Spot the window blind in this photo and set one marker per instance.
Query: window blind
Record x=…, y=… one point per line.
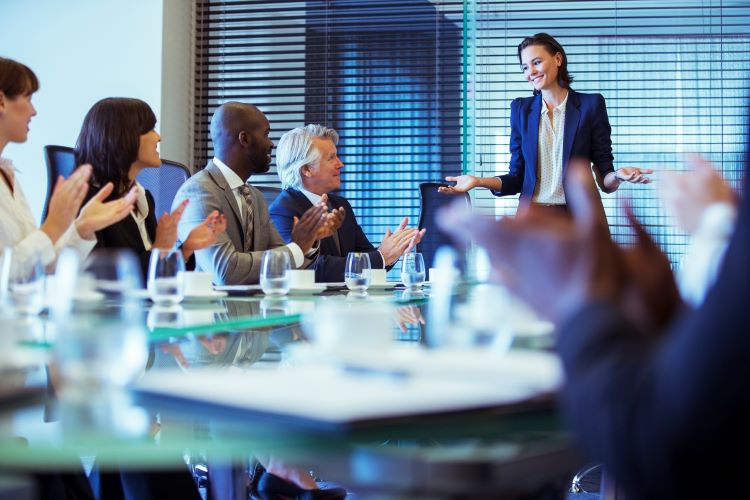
x=422, y=89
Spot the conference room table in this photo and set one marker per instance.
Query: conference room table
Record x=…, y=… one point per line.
x=220, y=356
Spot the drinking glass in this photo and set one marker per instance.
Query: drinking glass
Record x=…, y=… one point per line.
x=22, y=282
x=165, y=276
x=274, y=272
x=357, y=272
x=412, y=270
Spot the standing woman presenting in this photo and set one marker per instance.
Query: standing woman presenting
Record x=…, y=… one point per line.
x=548, y=129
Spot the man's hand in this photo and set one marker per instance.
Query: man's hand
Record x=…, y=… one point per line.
x=395, y=244
x=204, y=234
x=686, y=196
x=305, y=230
x=334, y=219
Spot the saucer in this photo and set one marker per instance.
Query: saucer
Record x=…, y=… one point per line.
x=316, y=288
x=384, y=286
x=203, y=297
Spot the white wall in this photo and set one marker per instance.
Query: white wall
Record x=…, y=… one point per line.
x=82, y=51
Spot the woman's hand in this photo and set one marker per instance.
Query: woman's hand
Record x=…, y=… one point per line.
x=464, y=183
x=65, y=202
x=204, y=234
x=98, y=214
x=166, y=228
x=633, y=174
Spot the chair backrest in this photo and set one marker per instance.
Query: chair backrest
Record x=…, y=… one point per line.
x=163, y=183
x=430, y=201
x=60, y=160
x=269, y=193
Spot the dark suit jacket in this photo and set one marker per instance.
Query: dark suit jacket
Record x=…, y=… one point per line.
x=586, y=135
x=125, y=234
x=331, y=260
x=668, y=414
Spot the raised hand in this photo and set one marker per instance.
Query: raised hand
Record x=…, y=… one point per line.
x=166, y=228
x=204, y=234
x=65, y=202
x=98, y=214
x=334, y=219
x=395, y=244
x=305, y=229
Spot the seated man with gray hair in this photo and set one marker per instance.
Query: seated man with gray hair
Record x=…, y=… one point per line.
x=309, y=168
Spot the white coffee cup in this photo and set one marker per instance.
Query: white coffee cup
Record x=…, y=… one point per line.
x=197, y=283
x=377, y=276
x=301, y=278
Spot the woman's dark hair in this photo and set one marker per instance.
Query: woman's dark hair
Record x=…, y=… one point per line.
x=16, y=79
x=110, y=138
x=553, y=47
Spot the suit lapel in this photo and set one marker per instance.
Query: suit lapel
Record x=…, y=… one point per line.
x=532, y=133
x=572, y=117
x=221, y=182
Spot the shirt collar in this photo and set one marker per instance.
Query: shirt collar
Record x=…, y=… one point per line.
x=314, y=198
x=231, y=177
x=560, y=106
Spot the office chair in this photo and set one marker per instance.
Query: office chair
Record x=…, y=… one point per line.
x=60, y=160
x=163, y=183
x=269, y=193
x=430, y=201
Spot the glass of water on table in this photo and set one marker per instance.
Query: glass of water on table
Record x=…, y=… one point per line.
x=412, y=270
x=357, y=272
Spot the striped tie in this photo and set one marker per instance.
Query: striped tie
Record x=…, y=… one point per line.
x=248, y=197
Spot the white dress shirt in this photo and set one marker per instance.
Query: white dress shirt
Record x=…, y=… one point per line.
x=700, y=265
x=20, y=231
x=140, y=214
x=549, y=186
x=235, y=183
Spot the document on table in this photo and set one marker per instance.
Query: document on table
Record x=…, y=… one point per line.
x=357, y=393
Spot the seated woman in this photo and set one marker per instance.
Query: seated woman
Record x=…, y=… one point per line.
x=67, y=224
x=118, y=139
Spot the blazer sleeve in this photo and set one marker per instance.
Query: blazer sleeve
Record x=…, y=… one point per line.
x=513, y=180
x=661, y=411
x=228, y=265
x=601, y=142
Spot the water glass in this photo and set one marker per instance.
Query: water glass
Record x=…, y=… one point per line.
x=357, y=272
x=165, y=276
x=274, y=272
x=412, y=270
x=22, y=282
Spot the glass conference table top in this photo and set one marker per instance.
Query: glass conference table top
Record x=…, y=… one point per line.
x=231, y=342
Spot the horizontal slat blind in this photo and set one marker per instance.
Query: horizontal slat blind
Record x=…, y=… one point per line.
x=673, y=75
x=385, y=74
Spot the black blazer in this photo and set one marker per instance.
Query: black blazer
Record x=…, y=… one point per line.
x=331, y=260
x=125, y=235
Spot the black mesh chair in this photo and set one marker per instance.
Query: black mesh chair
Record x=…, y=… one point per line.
x=163, y=183
x=430, y=201
x=269, y=193
x=60, y=160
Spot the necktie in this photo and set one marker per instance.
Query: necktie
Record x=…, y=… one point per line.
x=335, y=234
x=247, y=196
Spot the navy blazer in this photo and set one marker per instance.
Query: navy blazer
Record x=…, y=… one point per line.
x=331, y=260
x=586, y=135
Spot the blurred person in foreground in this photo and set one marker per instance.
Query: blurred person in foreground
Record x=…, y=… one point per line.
x=658, y=393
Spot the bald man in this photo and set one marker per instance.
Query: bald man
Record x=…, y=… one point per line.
x=242, y=148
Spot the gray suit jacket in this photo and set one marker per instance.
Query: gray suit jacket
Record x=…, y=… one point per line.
x=233, y=260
